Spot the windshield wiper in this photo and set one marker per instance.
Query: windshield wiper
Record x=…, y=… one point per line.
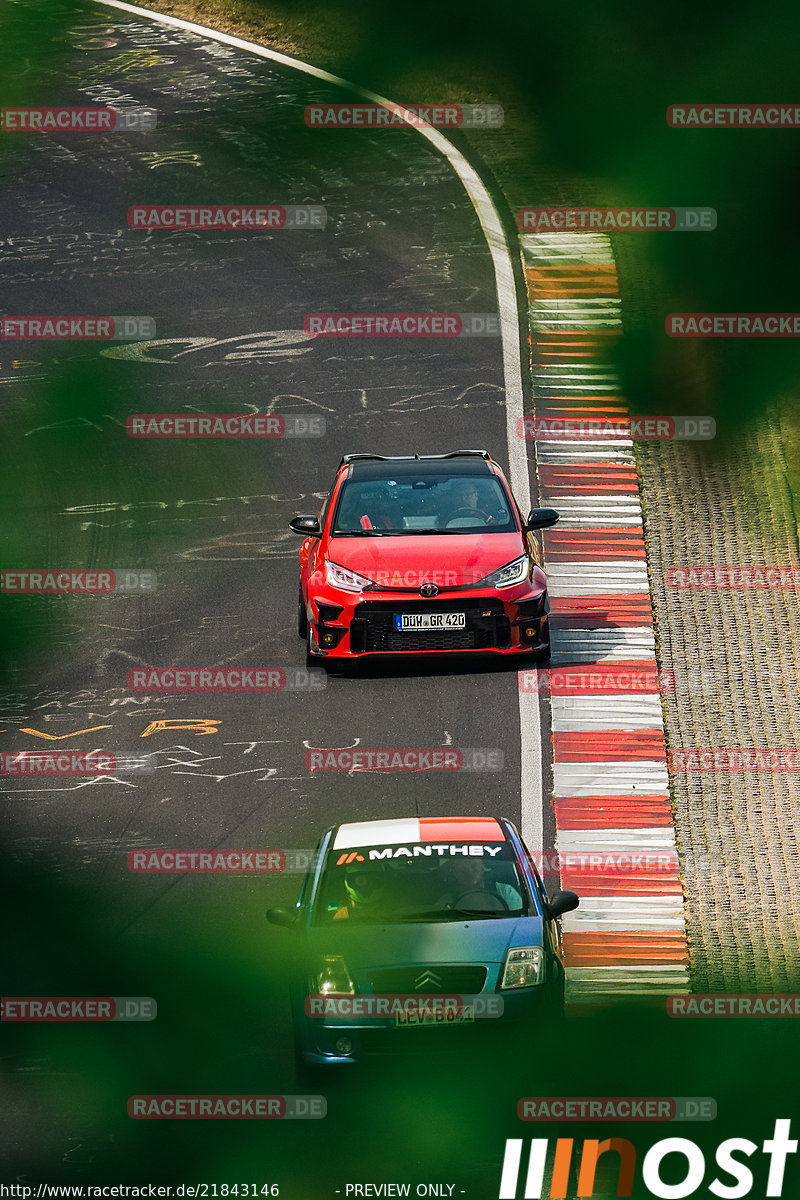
x=451, y=914
x=362, y=532
x=484, y=912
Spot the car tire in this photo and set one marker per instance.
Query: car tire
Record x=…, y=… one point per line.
x=302, y=619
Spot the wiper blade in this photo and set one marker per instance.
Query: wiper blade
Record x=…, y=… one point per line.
x=361, y=533
x=482, y=912
x=436, y=915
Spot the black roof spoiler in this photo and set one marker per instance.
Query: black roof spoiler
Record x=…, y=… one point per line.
x=348, y=458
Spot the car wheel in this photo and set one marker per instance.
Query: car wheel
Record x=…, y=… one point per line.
x=302, y=619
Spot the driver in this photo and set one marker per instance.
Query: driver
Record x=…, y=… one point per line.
x=463, y=501
x=467, y=875
x=365, y=892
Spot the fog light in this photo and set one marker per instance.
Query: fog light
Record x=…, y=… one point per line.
x=329, y=638
x=343, y=1046
x=530, y=632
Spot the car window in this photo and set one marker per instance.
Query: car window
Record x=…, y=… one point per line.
x=425, y=503
x=424, y=881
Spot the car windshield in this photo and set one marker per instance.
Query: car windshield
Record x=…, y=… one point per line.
x=424, y=503
x=421, y=882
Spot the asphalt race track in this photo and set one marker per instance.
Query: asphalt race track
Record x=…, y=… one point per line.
x=210, y=518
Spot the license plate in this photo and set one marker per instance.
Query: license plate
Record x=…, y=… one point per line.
x=412, y=622
x=415, y=1021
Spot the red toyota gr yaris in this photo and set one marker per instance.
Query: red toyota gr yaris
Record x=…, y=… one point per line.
x=422, y=554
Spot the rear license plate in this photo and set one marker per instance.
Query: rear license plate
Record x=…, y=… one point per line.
x=413, y=622
x=414, y=1021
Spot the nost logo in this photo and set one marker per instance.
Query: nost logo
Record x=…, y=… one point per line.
x=729, y=1155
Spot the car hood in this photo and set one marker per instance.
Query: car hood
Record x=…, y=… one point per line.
x=449, y=560
x=482, y=941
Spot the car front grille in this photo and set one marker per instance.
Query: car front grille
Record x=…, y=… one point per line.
x=429, y=980
x=372, y=627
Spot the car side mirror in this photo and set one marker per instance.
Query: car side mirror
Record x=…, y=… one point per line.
x=562, y=902
x=541, y=518
x=307, y=526
x=286, y=917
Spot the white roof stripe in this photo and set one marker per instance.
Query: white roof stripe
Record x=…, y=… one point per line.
x=377, y=833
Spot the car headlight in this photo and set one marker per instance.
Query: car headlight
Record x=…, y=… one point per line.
x=348, y=581
x=513, y=572
x=524, y=967
x=333, y=977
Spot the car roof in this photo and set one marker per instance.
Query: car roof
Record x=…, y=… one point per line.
x=403, y=469
x=401, y=830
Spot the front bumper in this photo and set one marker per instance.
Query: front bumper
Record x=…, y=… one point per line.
x=320, y=1042
x=357, y=625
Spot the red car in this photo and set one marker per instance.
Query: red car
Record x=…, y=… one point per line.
x=419, y=555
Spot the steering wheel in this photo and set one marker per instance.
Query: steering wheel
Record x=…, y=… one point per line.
x=467, y=511
x=501, y=901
